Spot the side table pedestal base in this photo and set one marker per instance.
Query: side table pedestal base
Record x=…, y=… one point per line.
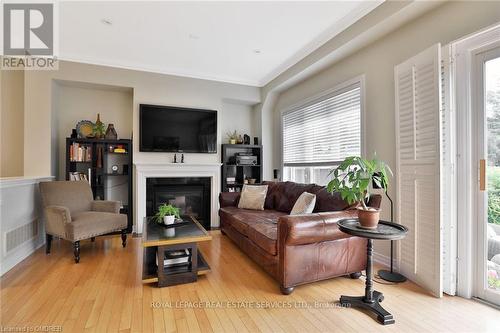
x=383, y=316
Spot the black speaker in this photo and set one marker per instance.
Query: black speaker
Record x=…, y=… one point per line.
x=276, y=173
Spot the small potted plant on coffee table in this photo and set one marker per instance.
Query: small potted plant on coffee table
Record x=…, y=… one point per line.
x=166, y=214
x=352, y=179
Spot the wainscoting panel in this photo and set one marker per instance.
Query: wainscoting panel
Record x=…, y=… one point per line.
x=22, y=221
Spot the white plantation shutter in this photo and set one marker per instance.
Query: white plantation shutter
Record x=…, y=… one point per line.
x=325, y=130
x=418, y=140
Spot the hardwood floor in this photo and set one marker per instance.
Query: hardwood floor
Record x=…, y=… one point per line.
x=104, y=293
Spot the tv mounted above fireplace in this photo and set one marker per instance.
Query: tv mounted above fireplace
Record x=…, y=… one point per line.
x=176, y=129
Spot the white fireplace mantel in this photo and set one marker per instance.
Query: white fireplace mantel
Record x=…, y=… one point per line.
x=152, y=170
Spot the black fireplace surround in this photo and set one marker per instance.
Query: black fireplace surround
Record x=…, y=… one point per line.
x=190, y=194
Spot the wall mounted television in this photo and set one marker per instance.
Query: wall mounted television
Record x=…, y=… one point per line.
x=176, y=129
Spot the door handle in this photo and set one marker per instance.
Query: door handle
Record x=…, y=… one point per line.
x=482, y=175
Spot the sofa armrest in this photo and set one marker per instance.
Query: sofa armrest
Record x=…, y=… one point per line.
x=229, y=199
x=312, y=228
x=57, y=219
x=106, y=206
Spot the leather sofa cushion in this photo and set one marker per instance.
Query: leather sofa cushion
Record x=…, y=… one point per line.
x=259, y=226
x=89, y=224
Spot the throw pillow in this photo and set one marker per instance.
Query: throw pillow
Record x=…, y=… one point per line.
x=253, y=197
x=304, y=204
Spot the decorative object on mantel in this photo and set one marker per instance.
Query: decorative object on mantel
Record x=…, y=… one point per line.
x=74, y=133
x=111, y=133
x=166, y=214
x=255, y=140
x=240, y=139
x=84, y=129
x=232, y=137
x=99, y=128
x=246, y=139
x=352, y=178
x=175, y=158
x=182, y=158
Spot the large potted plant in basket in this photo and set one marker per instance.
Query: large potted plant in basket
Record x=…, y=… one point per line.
x=166, y=214
x=353, y=179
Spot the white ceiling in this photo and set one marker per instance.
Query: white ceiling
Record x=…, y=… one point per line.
x=210, y=40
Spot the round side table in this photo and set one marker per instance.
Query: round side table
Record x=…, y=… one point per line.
x=372, y=298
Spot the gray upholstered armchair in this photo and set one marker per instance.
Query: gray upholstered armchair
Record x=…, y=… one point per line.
x=72, y=214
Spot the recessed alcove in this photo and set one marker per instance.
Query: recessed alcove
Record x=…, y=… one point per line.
x=74, y=101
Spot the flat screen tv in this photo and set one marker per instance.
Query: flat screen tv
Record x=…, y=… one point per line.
x=175, y=129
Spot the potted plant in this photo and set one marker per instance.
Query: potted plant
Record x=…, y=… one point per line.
x=166, y=214
x=232, y=137
x=352, y=179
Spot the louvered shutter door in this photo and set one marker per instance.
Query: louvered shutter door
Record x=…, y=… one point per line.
x=418, y=140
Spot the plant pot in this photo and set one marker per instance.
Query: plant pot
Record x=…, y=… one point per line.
x=368, y=219
x=232, y=141
x=169, y=219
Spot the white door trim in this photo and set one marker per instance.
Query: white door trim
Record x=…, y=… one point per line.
x=480, y=209
x=463, y=51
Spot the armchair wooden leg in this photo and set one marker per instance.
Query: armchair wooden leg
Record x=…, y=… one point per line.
x=76, y=246
x=124, y=237
x=92, y=239
x=48, y=243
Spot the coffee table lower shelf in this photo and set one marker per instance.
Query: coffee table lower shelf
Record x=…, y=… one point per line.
x=150, y=269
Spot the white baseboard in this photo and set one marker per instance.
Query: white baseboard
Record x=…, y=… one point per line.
x=21, y=253
x=382, y=259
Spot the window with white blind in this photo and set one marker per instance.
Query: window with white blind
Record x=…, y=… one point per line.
x=320, y=133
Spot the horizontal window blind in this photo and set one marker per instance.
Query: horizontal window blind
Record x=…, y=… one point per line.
x=324, y=131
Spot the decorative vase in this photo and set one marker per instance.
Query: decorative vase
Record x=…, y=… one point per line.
x=368, y=219
x=169, y=219
x=98, y=125
x=232, y=141
x=240, y=139
x=111, y=132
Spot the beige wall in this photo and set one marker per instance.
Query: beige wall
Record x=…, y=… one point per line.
x=236, y=117
x=376, y=61
x=75, y=102
x=11, y=120
x=147, y=88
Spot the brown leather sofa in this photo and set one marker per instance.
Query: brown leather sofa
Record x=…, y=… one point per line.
x=296, y=249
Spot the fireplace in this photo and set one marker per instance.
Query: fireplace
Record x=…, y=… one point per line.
x=191, y=194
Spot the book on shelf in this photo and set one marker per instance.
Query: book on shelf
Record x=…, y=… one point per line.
x=80, y=153
x=175, y=258
x=78, y=176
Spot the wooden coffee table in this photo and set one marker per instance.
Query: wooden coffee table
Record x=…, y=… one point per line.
x=157, y=239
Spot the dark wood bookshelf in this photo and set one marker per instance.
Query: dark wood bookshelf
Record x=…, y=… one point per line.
x=100, y=171
x=238, y=171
